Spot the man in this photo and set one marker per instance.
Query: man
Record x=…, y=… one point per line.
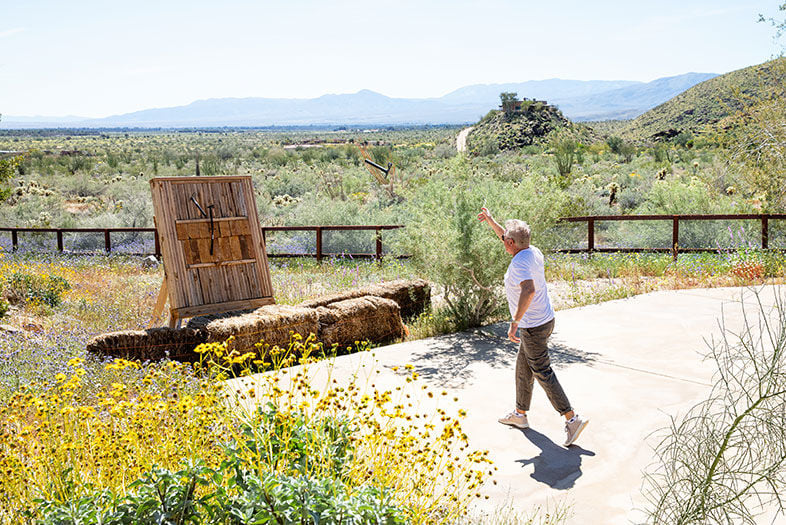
x=530, y=309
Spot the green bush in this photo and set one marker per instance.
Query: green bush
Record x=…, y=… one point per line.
x=450, y=247
x=47, y=289
x=614, y=143
x=564, y=157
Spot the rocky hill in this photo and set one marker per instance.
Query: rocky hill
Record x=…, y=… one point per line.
x=526, y=122
x=704, y=106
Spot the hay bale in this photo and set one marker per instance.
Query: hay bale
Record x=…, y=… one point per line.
x=359, y=319
x=270, y=324
x=412, y=296
x=151, y=344
x=372, y=313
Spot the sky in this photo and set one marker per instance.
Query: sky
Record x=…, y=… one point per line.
x=101, y=58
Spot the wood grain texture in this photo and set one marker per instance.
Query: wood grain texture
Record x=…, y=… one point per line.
x=211, y=266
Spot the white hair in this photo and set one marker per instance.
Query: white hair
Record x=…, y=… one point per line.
x=518, y=231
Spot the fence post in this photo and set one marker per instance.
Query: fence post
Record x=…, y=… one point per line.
x=379, y=244
x=675, y=235
x=590, y=236
x=107, y=241
x=59, y=240
x=765, y=232
x=319, y=244
x=14, y=240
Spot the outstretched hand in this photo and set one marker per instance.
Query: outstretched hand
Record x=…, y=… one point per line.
x=484, y=215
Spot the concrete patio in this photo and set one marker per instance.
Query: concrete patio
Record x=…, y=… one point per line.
x=626, y=365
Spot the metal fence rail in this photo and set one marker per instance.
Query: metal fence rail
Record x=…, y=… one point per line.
x=319, y=254
x=675, y=249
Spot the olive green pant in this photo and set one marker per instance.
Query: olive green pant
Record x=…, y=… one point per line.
x=533, y=363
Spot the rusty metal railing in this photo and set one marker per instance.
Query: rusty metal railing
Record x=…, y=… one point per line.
x=675, y=248
x=319, y=254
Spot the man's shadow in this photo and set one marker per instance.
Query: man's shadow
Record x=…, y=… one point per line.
x=556, y=466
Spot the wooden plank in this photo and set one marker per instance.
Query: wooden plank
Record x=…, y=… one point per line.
x=158, y=309
x=221, y=263
x=245, y=246
x=173, y=259
x=232, y=202
x=207, y=309
x=220, y=191
x=191, y=252
x=234, y=248
x=181, y=231
x=177, y=180
x=204, y=251
x=263, y=280
x=257, y=289
x=241, y=227
x=239, y=196
x=215, y=219
x=224, y=249
x=198, y=230
x=204, y=286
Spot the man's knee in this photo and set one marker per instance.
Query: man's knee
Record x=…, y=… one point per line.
x=543, y=372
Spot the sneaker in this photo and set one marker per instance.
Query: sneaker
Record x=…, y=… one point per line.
x=573, y=428
x=515, y=419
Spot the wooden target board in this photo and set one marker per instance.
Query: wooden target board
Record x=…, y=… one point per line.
x=211, y=244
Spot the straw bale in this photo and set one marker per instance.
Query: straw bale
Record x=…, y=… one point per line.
x=412, y=296
x=151, y=344
x=270, y=324
x=364, y=318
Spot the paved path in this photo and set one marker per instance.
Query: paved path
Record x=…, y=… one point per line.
x=627, y=365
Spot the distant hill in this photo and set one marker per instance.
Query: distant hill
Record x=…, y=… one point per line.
x=530, y=122
x=708, y=103
x=578, y=99
x=629, y=101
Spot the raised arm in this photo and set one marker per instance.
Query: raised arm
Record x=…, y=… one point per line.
x=484, y=215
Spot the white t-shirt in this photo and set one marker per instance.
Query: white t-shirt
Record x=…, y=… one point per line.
x=528, y=264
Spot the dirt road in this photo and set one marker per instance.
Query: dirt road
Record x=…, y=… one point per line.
x=461, y=140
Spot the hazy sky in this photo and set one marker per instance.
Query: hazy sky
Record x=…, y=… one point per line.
x=98, y=58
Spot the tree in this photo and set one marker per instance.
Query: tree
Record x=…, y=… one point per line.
x=509, y=102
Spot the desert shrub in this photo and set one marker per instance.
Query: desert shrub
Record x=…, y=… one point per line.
x=46, y=289
x=483, y=146
x=8, y=168
x=279, y=157
x=725, y=460
x=614, y=143
x=444, y=151
x=211, y=165
x=683, y=139
x=564, y=157
x=450, y=247
x=761, y=152
x=627, y=151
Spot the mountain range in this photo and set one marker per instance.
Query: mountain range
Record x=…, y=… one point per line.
x=579, y=100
